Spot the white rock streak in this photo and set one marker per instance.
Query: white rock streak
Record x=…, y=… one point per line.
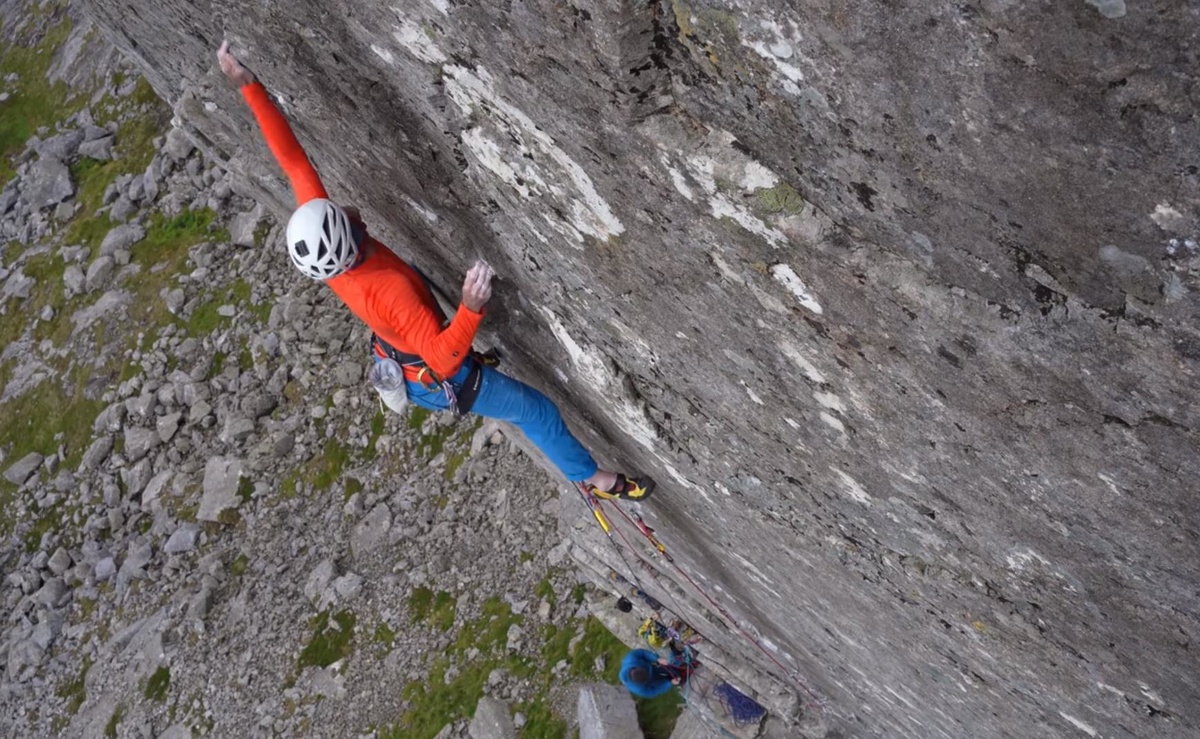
x=787, y=277
x=547, y=172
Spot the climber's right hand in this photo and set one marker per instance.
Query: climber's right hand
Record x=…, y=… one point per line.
x=477, y=288
x=237, y=75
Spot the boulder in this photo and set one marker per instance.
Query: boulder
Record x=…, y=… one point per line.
x=62, y=147
x=370, y=532
x=73, y=280
x=121, y=237
x=222, y=476
x=96, y=453
x=101, y=149
x=23, y=468
x=492, y=720
x=47, y=183
x=139, y=442
x=99, y=273
x=607, y=712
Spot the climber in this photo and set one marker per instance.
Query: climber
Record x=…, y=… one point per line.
x=330, y=243
x=648, y=676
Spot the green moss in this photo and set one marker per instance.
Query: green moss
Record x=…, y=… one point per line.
x=75, y=692
x=488, y=633
x=110, y=729
x=88, y=231
x=657, y=716
x=353, y=486
x=545, y=590
x=329, y=642
x=261, y=230
x=377, y=425
x=578, y=593
x=420, y=603
x=782, y=198
x=238, y=568
x=417, y=416
x=384, y=636
x=158, y=684
x=245, y=489
x=598, y=641
x=525, y=557
x=329, y=465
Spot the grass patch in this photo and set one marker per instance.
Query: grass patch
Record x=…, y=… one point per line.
x=75, y=692
x=490, y=631
x=330, y=642
x=540, y=721
x=49, y=521
x=158, y=684
x=437, y=610
x=417, y=416
x=33, y=102
x=329, y=465
x=50, y=414
x=545, y=590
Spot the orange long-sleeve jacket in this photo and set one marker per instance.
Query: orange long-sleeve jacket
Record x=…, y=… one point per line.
x=383, y=290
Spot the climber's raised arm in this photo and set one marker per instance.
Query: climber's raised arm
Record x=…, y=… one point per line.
x=306, y=184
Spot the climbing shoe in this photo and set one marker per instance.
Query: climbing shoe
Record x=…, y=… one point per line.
x=638, y=488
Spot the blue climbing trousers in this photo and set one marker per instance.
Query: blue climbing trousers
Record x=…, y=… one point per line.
x=505, y=399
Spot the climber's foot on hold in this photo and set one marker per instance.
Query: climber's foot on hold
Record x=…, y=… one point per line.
x=625, y=488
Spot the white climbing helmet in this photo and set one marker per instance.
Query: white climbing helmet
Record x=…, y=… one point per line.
x=320, y=240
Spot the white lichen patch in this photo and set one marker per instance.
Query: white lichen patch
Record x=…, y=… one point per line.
x=1166, y=217
x=792, y=352
x=421, y=210
x=383, y=54
x=830, y=401
x=722, y=207
x=786, y=276
x=546, y=171
x=1109, y=8
x=757, y=177
x=416, y=42
x=778, y=48
x=852, y=488
x=753, y=395
x=832, y=422
x=1079, y=724
x=594, y=371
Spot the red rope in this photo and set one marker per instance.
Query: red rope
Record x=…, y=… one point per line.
x=658, y=546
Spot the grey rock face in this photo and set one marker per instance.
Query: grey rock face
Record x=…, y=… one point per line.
x=23, y=468
x=835, y=275
x=47, y=183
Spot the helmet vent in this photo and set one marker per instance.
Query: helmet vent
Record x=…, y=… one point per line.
x=300, y=248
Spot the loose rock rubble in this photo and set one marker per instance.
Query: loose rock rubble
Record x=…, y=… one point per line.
x=236, y=482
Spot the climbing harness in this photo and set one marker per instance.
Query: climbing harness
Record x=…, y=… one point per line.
x=461, y=400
